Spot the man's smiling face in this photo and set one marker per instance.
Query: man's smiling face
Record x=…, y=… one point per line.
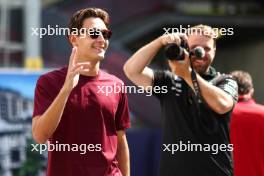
x=201, y=65
x=92, y=49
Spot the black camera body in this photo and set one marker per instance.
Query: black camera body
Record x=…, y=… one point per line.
x=173, y=51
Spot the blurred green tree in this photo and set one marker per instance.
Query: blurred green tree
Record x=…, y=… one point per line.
x=34, y=162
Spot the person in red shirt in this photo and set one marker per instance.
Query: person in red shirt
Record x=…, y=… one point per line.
x=247, y=129
x=83, y=126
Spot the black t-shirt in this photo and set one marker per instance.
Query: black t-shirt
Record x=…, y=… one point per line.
x=192, y=132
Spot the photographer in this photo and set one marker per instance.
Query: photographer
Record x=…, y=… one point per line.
x=189, y=115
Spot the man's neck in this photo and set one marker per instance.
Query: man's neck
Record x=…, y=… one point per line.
x=245, y=97
x=93, y=67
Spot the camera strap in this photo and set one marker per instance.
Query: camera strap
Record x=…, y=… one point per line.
x=196, y=87
x=197, y=90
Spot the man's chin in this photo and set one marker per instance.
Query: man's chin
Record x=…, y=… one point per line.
x=200, y=70
x=100, y=56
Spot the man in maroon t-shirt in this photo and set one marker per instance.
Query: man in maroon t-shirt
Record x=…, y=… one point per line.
x=247, y=130
x=83, y=124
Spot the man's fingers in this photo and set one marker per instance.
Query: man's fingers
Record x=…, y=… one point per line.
x=84, y=63
x=72, y=61
x=183, y=36
x=175, y=38
x=84, y=71
x=80, y=70
x=78, y=65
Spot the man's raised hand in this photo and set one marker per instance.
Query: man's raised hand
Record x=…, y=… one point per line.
x=74, y=71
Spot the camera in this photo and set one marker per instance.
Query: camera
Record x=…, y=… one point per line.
x=173, y=51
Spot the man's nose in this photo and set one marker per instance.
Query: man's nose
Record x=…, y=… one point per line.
x=101, y=37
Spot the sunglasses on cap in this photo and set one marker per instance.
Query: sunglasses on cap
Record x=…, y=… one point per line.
x=94, y=33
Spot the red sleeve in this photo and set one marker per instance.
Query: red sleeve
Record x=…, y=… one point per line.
x=42, y=98
x=122, y=120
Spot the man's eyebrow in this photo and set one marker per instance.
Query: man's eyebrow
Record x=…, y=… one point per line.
x=205, y=47
x=193, y=46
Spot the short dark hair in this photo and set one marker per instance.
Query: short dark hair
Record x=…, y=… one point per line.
x=76, y=21
x=244, y=81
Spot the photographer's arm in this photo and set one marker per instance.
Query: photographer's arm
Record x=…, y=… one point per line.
x=217, y=99
x=136, y=67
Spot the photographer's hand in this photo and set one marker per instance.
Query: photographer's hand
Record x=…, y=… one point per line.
x=182, y=68
x=172, y=38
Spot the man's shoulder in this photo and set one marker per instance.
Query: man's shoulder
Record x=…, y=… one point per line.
x=259, y=108
x=53, y=75
x=166, y=74
x=250, y=107
x=110, y=77
x=222, y=77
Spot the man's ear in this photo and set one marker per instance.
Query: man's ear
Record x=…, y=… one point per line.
x=214, y=52
x=252, y=92
x=73, y=40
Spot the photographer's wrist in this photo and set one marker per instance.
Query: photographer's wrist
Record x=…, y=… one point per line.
x=187, y=76
x=160, y=41
x=188, y=79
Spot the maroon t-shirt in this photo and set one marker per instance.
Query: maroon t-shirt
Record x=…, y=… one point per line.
x=90, y=120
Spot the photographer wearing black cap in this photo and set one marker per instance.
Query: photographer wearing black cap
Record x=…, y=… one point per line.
x=196, y=107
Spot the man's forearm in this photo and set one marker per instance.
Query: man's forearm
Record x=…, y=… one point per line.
x=122, y=155
x=216, y=98
x=123, y=161
x=44, y=126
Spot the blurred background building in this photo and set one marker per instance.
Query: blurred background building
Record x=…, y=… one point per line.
x=134, y=23
x=15, y=125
